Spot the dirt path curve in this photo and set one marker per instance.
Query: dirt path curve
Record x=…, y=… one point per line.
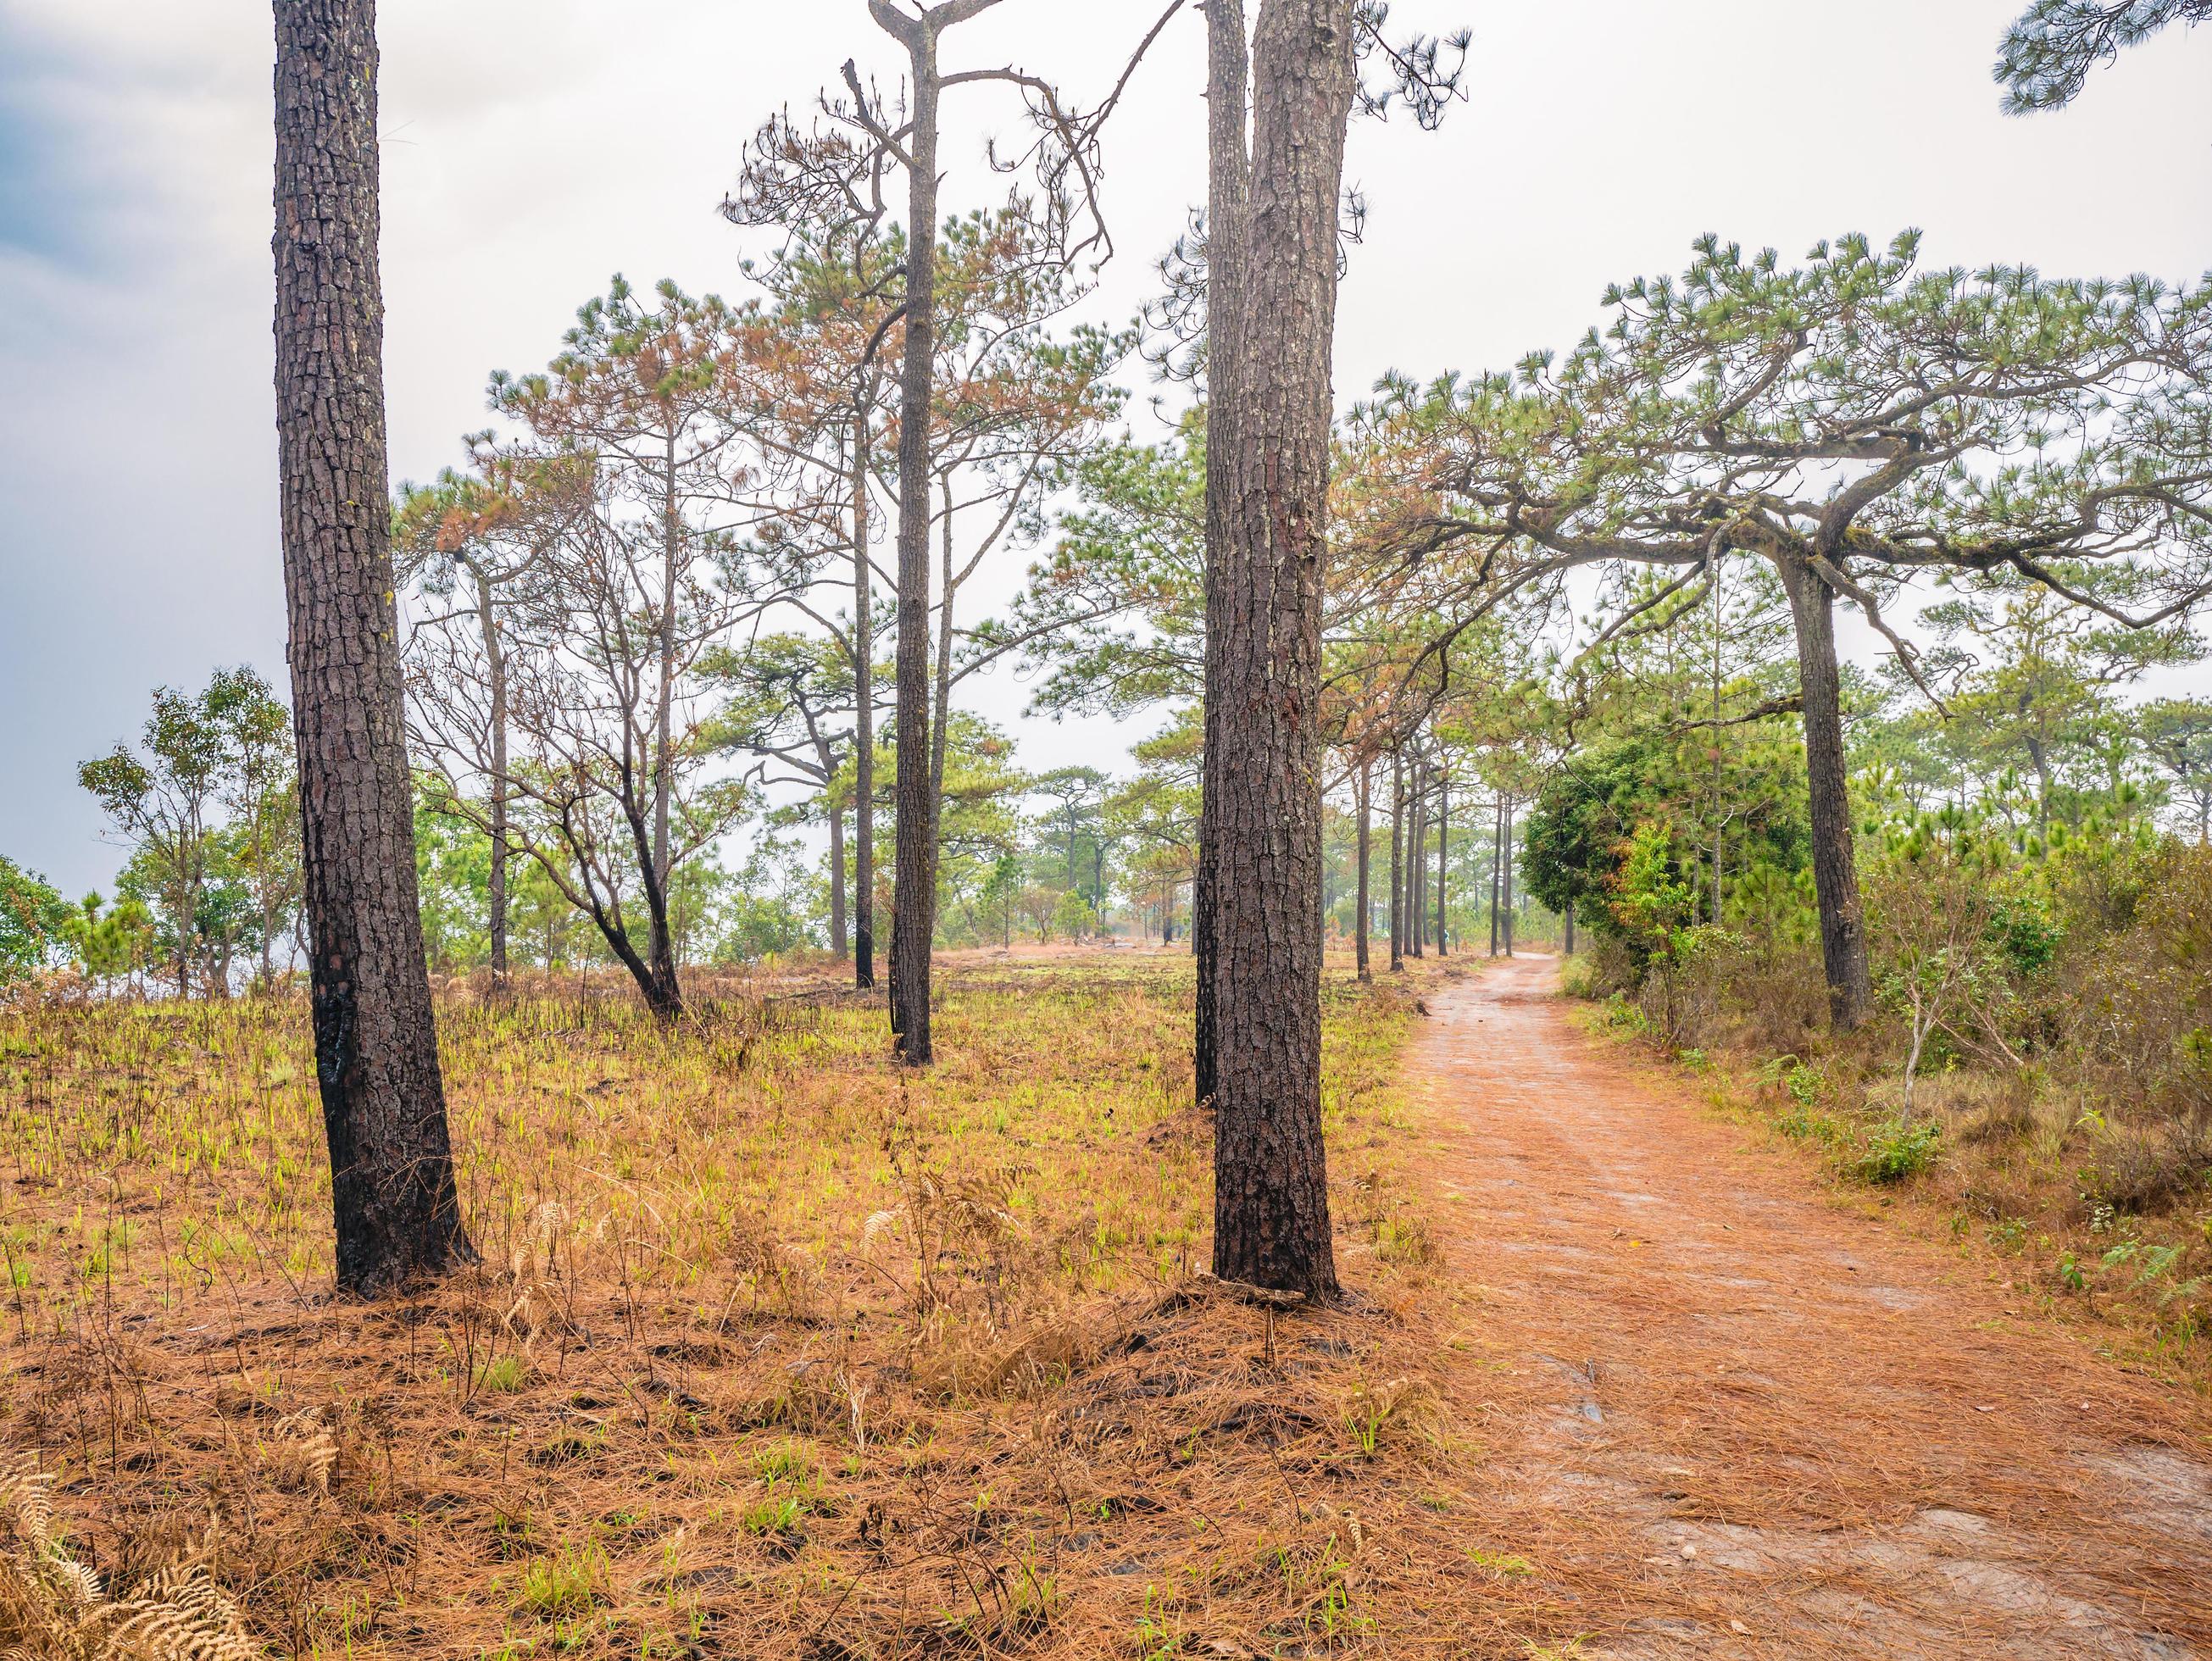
x=1729, y=1418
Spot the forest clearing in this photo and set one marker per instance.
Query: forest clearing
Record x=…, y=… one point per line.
x=1468, y=918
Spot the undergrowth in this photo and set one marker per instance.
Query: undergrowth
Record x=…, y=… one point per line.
x=2083, y=1174
x=772, y=1348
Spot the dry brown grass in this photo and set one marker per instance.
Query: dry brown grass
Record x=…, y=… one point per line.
x=773, y=1350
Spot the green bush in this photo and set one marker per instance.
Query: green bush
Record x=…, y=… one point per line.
x=1896, y=1151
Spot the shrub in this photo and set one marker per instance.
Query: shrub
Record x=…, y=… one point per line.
x=1896, y=1151
x=2146, y=1170
x=2135, y=1004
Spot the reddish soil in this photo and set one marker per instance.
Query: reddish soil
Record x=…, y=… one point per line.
x=1737, y=1418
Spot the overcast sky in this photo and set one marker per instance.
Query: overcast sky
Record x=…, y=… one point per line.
x=533, y=146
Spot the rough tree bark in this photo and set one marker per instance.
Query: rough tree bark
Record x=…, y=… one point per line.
x=1271, y=1221
x=914, y=917
x=1227, y=205
x=376, y=1043
x=1835, y=871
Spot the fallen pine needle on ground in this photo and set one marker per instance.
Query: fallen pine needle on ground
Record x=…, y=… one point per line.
x=773, y=1350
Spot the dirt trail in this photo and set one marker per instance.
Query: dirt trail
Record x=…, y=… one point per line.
x=1730, y=1418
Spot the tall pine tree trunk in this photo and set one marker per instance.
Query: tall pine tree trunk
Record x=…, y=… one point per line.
x=1443, y=854
x=840, y=944
x=1271, y=1220
x=1835, y=870
x=864, y=731
x=376, y=1042
x=1366, y=784
x=1397, y=862
x=1417, y=859
x=913, y=914
x=1506, y=866
x=1228, y=204
x=1497, y=854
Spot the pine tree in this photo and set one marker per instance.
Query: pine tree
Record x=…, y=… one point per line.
x=376, y=1042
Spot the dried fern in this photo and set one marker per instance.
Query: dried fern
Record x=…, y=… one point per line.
x=53, y=1609
x=304, y=1452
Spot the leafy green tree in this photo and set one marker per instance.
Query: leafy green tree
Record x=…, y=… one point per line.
x=453, y=872
x=224, y=924
x=1656, y=784
x=261, y=792
x=547, y=924
x=1157, y=812
x=1910, y=761
x=699, y=897
x=978, y=823
x=34, y=919
x=771, y=907
x=2048, y=52
x=1115, y=620
x=1074, y=917
x=997, y=895
x=209, y=803
x=164, y=797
